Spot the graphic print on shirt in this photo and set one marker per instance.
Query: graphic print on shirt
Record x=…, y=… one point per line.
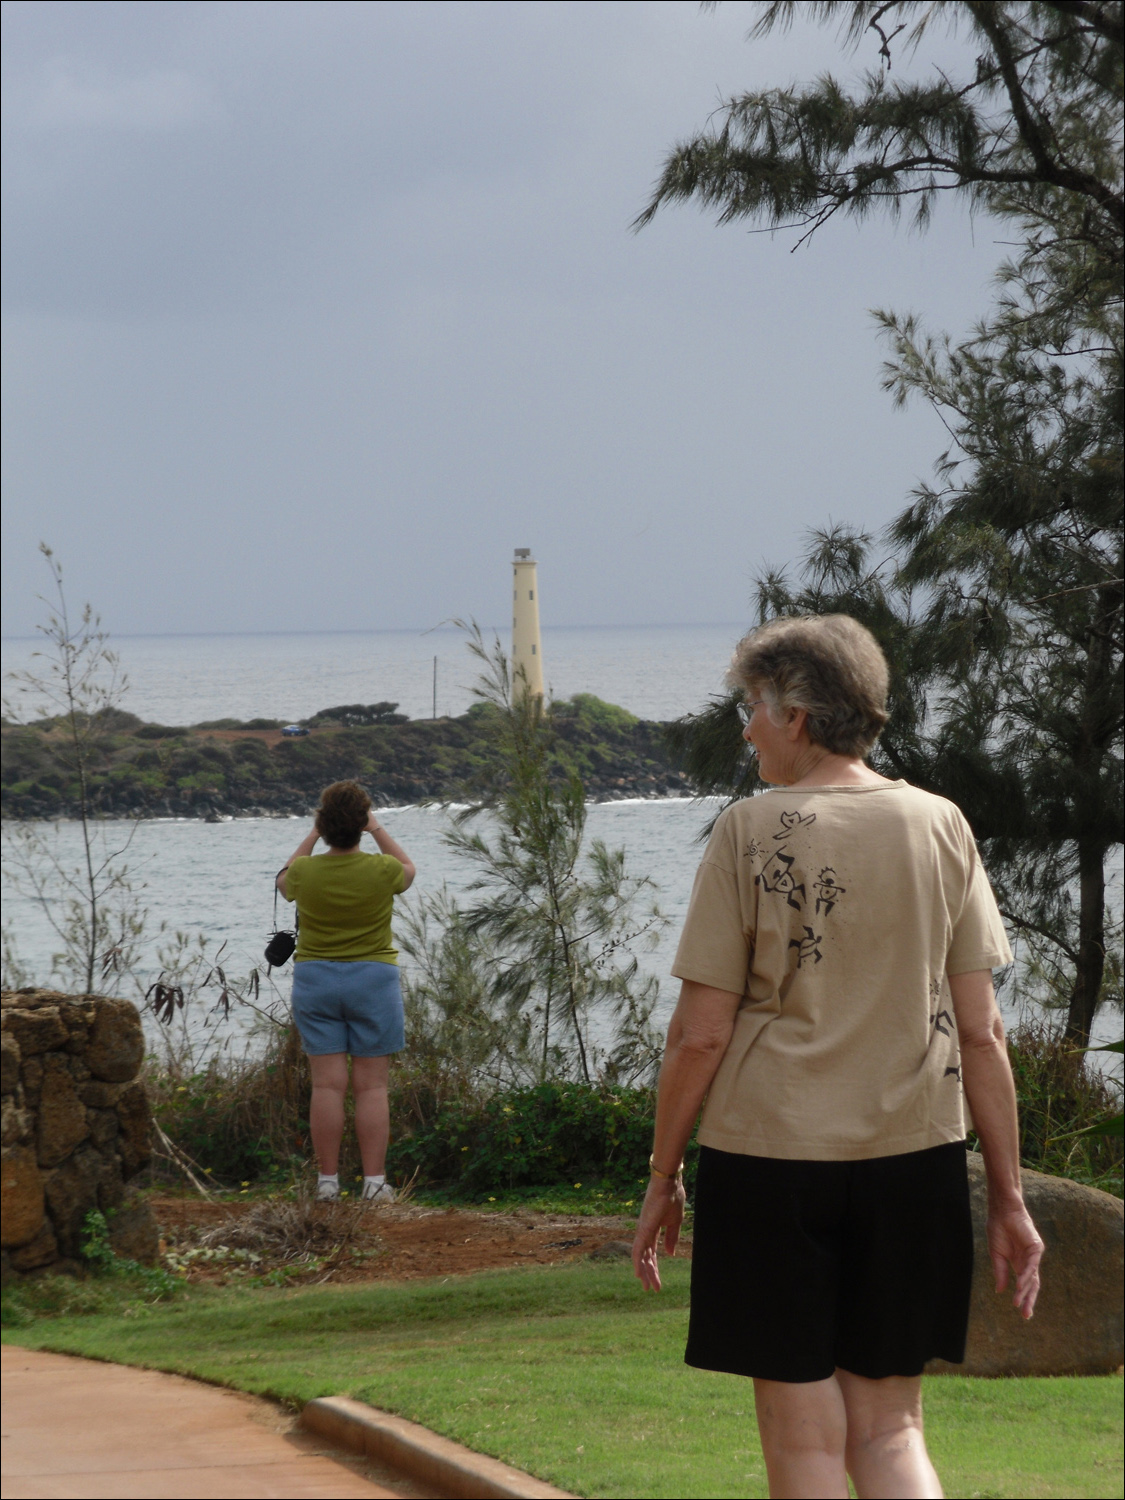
x=778, y=879
x=807, y=949
x=779, y=875
x=828, y=890
x=792, y=821
x=942, y=1021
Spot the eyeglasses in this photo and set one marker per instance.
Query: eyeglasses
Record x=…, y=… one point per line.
x=746, y=710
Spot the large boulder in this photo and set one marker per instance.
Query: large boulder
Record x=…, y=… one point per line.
x=132, y=1231
x=74, y=1127
x=9, y=1063
x=1078, y=1327
x=36, y=1030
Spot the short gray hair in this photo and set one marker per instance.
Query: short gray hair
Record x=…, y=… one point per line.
x=829, y=665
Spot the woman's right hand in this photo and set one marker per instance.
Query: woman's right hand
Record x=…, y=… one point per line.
x=663, y=1209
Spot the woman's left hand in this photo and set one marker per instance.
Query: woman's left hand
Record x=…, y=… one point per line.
x=663, y=1208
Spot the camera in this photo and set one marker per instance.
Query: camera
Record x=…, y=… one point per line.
x=279, y=949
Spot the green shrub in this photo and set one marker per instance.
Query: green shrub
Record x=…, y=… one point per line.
x=239, y=1119
x=556, y=1133
x=595, y=714
x=1059, y=1095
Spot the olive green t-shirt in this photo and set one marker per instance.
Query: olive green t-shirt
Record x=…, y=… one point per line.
x=838, y=913
x=344, y=902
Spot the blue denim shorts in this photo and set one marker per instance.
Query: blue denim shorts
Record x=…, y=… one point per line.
x=348, y=1007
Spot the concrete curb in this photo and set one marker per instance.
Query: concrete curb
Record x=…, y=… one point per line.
x=422, y=1454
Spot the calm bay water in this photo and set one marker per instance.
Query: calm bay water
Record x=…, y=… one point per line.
x=657, y=672
x=216, y=879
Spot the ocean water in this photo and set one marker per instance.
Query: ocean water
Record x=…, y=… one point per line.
x=215, y=881
x=657, y=671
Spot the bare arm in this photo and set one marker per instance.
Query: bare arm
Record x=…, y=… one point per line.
x=387, y=845
x=991, y=1095
x=306, y=846
x=698, y=1036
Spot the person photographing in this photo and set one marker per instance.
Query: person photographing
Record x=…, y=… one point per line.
x=347, y=1000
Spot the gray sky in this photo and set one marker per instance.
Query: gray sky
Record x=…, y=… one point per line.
x=314, y=311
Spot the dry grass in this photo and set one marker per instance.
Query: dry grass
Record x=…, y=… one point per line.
x=282, y=1229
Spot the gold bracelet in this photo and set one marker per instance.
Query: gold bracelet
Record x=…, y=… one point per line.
x=665, y=1176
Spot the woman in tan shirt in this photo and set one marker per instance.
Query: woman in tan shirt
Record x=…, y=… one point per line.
x=836, y=1006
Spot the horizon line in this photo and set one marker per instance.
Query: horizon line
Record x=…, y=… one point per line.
x=442, y=629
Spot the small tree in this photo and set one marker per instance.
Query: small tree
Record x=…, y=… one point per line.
x=548, y=942
x=76, y=687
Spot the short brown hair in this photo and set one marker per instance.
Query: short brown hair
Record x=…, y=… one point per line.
x=342, y=814
x=829, y=665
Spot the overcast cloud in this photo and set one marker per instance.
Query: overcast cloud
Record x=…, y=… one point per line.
x=313, y=312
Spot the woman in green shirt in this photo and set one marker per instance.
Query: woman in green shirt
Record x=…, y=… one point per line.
x=346, y=996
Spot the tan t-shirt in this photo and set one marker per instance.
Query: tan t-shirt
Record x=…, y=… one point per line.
x=837, y=913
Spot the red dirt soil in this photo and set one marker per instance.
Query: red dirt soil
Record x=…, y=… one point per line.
x=406, y=1241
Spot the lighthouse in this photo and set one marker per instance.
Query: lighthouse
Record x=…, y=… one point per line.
x=527, y=651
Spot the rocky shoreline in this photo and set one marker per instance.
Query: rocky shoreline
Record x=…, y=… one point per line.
x=212, y=773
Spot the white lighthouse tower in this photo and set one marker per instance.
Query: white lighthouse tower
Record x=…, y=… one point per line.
x=527, y=651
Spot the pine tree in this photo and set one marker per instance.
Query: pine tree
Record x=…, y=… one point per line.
x=1000, y=601
x=1040, y=111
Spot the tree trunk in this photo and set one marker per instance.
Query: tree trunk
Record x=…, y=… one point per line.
x=1091, y=941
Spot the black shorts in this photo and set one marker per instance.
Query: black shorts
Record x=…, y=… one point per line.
x=802, y=1267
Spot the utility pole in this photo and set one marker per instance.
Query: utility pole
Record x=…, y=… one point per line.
x=435, y=687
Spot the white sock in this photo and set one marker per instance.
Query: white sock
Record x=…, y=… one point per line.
x=373, y=1182
x=331, y=1177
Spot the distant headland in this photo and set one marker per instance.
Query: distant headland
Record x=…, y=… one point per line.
x=254, y=768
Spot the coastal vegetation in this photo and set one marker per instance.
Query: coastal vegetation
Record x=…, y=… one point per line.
x=226, y=767
x=458, y=1135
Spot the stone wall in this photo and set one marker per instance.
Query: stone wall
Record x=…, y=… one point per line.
x=76, y=1126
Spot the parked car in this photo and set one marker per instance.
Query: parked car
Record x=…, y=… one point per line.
x=294, y=730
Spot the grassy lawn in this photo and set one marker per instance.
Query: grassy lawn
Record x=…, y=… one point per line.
x=571, y=1374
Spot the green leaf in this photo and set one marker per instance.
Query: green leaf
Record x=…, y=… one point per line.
x=1115, y=1125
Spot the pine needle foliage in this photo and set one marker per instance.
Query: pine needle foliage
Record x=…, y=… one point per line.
x=548, y=942
x=1036, y=111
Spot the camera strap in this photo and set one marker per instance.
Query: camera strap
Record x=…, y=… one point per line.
x=276, y=893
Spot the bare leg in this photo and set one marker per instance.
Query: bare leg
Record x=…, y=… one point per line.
x=326, y=1112
x=886, y=1452
x=804, y=1430
x=372, y=1114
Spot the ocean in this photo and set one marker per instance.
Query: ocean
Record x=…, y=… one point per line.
x=655, y=671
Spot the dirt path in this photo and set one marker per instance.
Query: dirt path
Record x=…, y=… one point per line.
x=79, y=1428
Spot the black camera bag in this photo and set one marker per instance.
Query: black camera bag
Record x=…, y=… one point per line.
x=279, y=949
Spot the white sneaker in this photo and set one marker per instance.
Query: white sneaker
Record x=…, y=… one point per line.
x=378, y=1192
x=327, y=1192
